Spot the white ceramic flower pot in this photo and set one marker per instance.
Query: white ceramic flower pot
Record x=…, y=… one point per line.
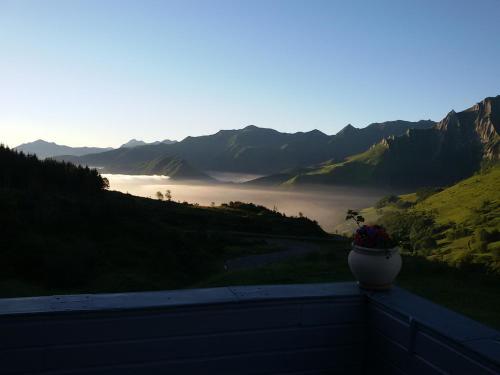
x=375, y=269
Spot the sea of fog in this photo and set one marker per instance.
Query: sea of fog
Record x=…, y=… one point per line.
x=327, y=206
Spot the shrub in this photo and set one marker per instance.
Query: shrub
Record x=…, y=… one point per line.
x=413, y=230
x=482, y=238
x=401, y=204
x=425, y=242
x=495, y=252
x=457, y=232
x=385, y=201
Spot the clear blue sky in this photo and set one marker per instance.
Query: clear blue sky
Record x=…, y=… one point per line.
x=102, y=72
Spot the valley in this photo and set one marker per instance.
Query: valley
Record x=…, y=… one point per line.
x=326, y=204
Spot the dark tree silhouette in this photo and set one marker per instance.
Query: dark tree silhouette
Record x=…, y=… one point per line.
x=18, y=170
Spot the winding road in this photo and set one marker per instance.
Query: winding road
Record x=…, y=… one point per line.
x=293, y=249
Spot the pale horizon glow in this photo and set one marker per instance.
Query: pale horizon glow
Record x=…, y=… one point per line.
x=99, y=73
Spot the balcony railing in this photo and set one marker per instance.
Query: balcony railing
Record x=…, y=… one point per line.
x=273, y=329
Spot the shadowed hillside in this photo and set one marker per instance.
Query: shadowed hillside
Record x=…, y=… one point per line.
x=149, y=159
x=63, y=232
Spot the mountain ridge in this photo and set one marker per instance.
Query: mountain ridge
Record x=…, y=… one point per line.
x=136, y=143
x=261, y=150
x=151, y=162
x=44, y=149
x=47, y=149
x=451, y=150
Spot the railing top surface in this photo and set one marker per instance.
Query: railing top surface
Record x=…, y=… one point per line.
x=173, y=298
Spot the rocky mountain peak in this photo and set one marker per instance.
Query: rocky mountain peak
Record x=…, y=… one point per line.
x=451, y=121
x=479, y=123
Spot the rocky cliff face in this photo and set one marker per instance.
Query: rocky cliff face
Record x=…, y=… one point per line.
x=480, y=123
x=487, y=126
x=454, y=148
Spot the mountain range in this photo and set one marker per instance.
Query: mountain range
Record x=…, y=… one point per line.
x=44, y=149
x=393, y=153
x=265, y=151
x=449, y=151
x=248, y=150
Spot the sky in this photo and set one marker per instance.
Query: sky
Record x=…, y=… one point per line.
x=99, y=73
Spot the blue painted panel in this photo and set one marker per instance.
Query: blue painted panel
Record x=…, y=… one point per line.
x=380, y=366
x=207, y=346
x=396, y=358
x=356, y=370
x=449, y=358
x=488, y=347
x=331, y=313
x=339, y=359
x=21, y=361
x=52, y=330
x=392, y=327
x=380, y=347
x=420, y=366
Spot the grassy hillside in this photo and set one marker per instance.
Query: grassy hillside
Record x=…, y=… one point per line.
x=460, y=202
x=372, y=214
x=459, y=225
x=469, y=214
x=355, y=170
x=62, y=232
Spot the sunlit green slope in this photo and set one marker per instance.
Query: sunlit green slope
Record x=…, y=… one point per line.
x=470, y=212
x=459, y=225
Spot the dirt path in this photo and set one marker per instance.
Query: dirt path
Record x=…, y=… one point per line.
x=293, y=249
